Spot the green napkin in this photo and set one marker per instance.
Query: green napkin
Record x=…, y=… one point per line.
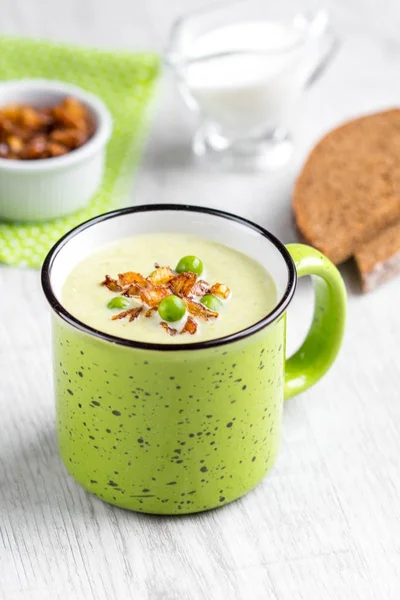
x=124, y=81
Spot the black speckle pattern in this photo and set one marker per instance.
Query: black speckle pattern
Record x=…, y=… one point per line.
x=142, y=432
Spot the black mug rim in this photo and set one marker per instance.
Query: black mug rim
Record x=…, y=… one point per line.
x=59, y=309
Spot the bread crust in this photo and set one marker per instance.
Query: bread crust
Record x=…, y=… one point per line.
x=349, y=189
x=379, y=259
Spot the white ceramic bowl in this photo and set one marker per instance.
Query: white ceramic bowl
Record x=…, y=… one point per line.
x=38, y=190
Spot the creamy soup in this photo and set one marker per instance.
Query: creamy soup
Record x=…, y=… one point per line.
x=251, y=291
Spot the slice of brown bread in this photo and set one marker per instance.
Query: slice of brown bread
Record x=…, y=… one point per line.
x=349, y=189
x=379, y=260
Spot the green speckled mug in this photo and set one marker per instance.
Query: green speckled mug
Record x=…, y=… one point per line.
x=173, y=429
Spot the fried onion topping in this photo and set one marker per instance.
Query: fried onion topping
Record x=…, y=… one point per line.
x=111, y=284
x=163, y=282
x=161, y=276
x=190, y=326
x=152, y=296
x=132, y=313
x=199, y=310
x=133, y=290
x=221, y=290
x=183, y=284
x=125, y=279
x=170, y=330
x=200, y=288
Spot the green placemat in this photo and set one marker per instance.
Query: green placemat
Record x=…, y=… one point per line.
x=124, y=81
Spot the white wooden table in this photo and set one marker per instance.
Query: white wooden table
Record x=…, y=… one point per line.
x=326, y=523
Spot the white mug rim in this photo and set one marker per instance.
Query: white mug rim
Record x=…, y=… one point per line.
x=67, y=317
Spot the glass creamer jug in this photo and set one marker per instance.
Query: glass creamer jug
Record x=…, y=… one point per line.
x=244, y=67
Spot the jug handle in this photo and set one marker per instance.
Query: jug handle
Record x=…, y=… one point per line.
x=320, y=32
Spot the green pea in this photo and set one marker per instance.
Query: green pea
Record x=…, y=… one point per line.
x=211, y=302
x=191, y=264
x=118, y=302
x=171, y=309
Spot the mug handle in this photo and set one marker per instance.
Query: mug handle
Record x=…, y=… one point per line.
x=323, y=341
